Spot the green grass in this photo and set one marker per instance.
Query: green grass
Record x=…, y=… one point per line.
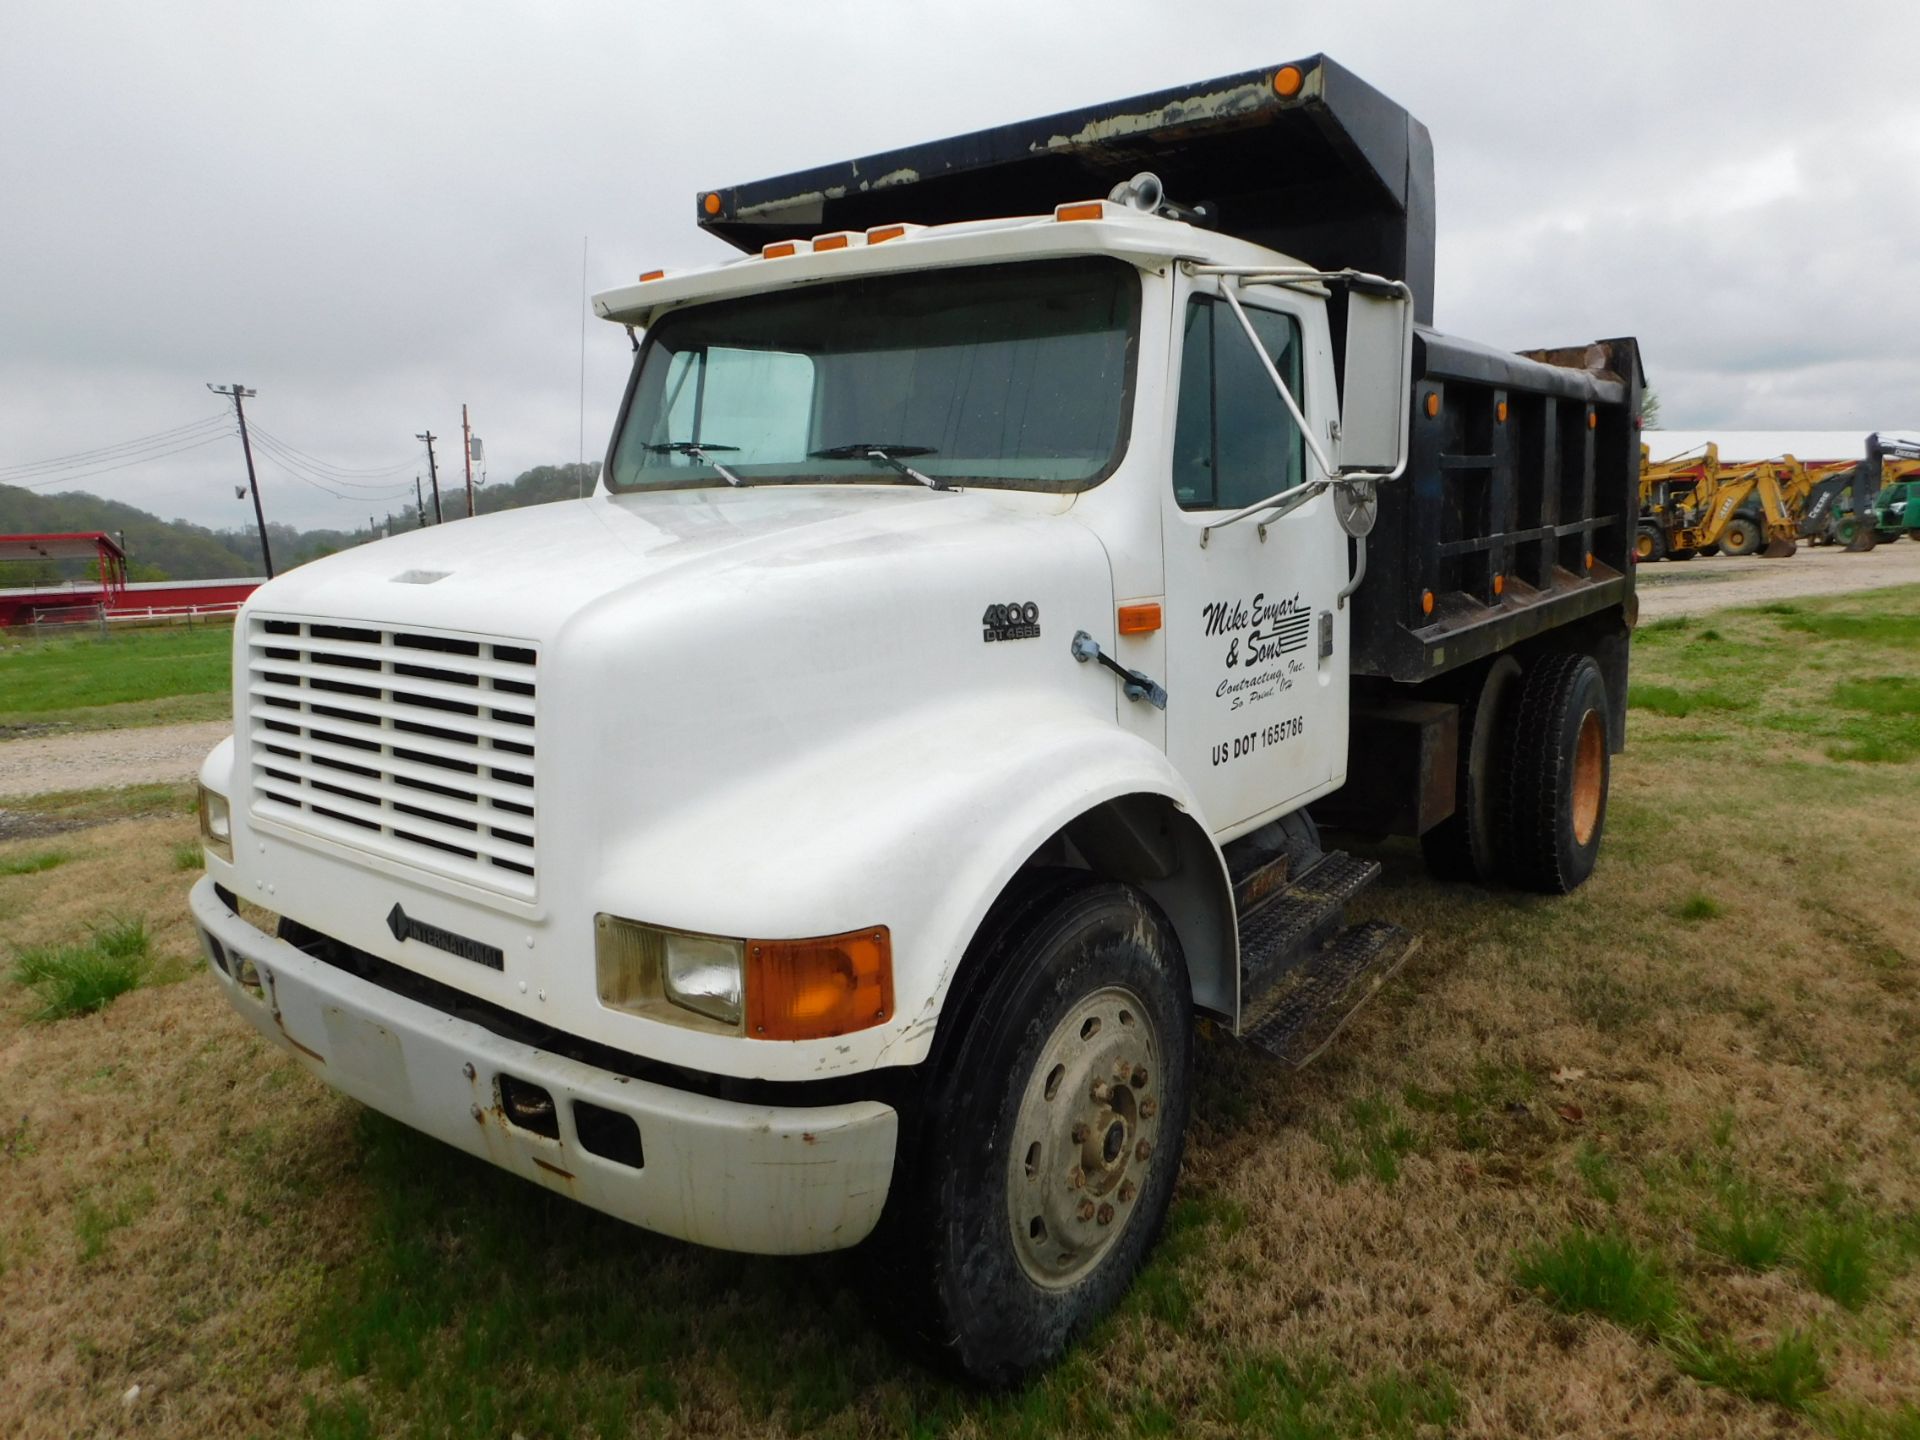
x=1375, y=1142
x=1697, y=907
x=1839, y=1256
x=188, y=855
x=34, y=863
x=1597, y=1174
x=129, y=678
x=1668, y=700
x=1789, y=1372
x=1880, y=695
x=1745, y=1230
x=1604, y=1274
x=1312, y=1399
x=88, y=975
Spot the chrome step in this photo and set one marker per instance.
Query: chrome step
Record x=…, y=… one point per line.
x=1297, y=1018
x=1291, y=923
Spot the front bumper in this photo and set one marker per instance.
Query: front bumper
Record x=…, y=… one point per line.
x=770, y=1180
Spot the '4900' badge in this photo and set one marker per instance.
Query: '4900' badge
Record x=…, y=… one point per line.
x=1019, y=621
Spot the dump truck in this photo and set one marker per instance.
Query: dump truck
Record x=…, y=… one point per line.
x=830, y=832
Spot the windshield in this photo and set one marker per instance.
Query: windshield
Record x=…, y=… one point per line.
x=1011, y=375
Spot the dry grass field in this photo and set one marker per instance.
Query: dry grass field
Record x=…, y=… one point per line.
x=1641, y=1162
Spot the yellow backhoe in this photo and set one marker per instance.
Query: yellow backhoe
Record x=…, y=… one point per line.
x=1692, y=502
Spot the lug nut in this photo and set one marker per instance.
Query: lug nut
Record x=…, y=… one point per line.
x=1076, y=1178
x=1143, y=1150
x=1140, y=1077
x=1121, y=1069
x=1080, y=1134
x=1102, y=1092
x=1085, y=1212
x=1148, y=1106
x=1105, y=1216
x=1126, y=1190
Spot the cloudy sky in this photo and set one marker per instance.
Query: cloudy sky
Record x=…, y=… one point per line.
x=374, y=212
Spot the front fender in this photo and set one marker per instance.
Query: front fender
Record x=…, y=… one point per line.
x=916, y=824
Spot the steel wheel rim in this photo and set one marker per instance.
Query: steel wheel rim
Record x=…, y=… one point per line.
x=1589, y=766
x=1085, y=1137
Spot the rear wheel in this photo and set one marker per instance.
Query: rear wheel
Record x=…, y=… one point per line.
x=1649, y=545
x=1555, y=798
x=1463, y=846
x=1741, y=537
x=1050, y=1139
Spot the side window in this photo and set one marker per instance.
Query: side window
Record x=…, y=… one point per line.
x=1233, y=440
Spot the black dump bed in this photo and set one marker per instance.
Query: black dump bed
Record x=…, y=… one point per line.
x=1517, y=511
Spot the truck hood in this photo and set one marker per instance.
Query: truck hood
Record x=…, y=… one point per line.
x=526, y=572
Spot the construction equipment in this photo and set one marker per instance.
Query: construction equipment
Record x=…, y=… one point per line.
x=1895, y=511
x=1692, y=502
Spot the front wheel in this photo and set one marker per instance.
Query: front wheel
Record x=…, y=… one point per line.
x=1045, y=1157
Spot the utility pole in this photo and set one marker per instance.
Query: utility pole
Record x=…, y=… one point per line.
x=433, y=474
x=466, y=451
x=419, y=503
x=240, y=392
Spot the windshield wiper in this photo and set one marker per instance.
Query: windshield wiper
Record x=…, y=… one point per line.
x=888, y=455
x=698, y=451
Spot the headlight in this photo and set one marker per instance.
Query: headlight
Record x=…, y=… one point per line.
x=216, y=824
x=769, y=989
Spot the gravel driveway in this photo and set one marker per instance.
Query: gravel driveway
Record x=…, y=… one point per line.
x=101, y=758
x=1717, y=582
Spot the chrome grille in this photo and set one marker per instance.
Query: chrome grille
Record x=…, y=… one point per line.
x=406, y=743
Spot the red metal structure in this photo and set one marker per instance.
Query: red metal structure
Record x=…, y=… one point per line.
x=111, y=598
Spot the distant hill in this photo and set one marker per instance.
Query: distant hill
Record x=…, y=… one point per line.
x=180, y=550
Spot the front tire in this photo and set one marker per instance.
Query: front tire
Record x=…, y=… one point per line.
x=1741, y=537
x=1555, y=807
x=1046, y=1151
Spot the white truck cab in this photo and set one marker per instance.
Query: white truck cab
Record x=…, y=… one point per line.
x=828, y=831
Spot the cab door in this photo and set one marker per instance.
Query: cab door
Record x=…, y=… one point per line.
x=1256, y=638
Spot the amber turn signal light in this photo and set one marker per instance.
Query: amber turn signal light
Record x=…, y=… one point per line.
x=809, y=989
x=1139, y=619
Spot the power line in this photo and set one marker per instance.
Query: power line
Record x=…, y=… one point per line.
x=278, y=462
x=239, y=392
x=101, y=455
x=290, y=461
x=76, y=477
x=341, y=472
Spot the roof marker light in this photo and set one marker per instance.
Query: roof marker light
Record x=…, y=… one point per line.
x=880, y=234
x=839, y=241
x=652, y=275
x=1081, y=210
x=780, y=250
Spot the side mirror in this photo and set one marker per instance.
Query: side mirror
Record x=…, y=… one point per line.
x=1375, y=410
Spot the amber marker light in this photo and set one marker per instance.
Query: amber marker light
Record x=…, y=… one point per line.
x=712, y=203
x=1287, y=81
x=1083, y=210
x=1426, y=602
x=829, y=242
x=779, y=250
x=1500, y=412
x=1592, y=420
x=1589, y=559
x=1139, y=619
x=810, y=989
x=880, y=234
x=1499, y=585
x=1433, y=403
x=651, y=275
